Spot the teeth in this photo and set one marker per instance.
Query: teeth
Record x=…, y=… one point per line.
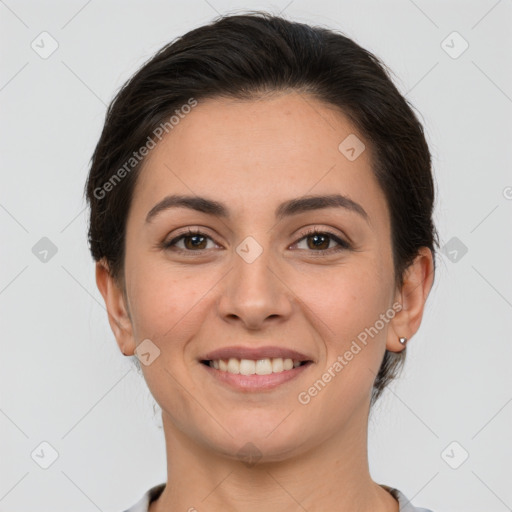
x=277, y=365
x=262, y=367
x=246, y=367
x=233, y=365
x=252, y=367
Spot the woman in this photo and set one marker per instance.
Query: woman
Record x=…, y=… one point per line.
x=261, y=217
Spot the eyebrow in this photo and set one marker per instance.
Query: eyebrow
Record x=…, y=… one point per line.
x=286, y=209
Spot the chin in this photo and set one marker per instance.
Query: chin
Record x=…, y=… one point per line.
x=252, y=445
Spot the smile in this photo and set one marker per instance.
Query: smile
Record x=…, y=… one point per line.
x=248, y=375
x=254, y=367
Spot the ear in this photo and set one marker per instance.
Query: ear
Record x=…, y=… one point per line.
x=118, y=313
x=417, y=283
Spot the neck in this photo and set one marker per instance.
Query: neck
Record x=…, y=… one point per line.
x=333, y=476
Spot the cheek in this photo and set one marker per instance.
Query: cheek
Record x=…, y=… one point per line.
x=167, y=303
x=348, y=306
x=168, y=308
x=350, y=298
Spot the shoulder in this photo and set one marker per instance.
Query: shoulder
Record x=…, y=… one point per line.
x=403, y=501
x=143, y=504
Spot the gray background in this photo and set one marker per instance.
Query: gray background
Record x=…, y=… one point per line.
x=63, y=379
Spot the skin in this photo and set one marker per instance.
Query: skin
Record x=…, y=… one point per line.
x=252, y=156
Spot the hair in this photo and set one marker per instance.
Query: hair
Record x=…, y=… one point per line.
x=251, y=56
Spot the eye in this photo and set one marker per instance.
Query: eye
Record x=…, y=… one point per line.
x=321, y=241
x=191, y=240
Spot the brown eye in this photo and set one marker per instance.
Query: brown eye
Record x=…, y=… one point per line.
x=320, y=241
x=194, y=242
x=191, y=241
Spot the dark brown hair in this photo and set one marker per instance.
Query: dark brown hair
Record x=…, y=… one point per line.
x=246, y=57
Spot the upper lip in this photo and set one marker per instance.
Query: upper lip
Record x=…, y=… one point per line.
x=239, y=352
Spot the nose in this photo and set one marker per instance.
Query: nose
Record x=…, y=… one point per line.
x=254, y=293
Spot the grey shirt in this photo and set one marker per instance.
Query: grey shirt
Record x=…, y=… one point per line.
x=152, y=494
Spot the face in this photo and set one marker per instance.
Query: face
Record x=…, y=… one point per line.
x=253, y=274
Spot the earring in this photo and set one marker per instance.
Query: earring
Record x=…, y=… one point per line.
x=402, y=340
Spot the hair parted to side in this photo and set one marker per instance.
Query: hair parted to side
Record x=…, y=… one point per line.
x=249, y=56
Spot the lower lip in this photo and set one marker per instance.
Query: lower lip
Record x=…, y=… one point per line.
x=255, y=382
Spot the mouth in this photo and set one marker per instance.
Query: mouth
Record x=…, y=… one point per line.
x=255, y=369
x=264, y=366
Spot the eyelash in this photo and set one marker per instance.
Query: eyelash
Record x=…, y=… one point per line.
x=342, y=244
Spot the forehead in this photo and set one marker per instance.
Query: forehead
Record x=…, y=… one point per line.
x=246, y=132
x=263, y=151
